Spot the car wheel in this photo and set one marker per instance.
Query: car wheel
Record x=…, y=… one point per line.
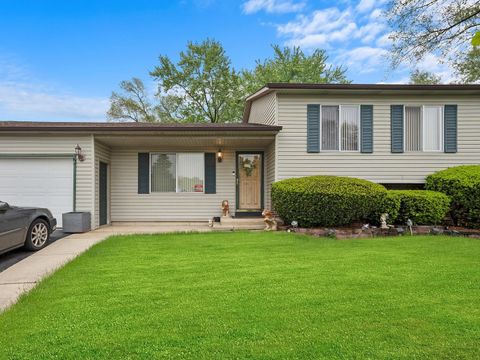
x=38, y=235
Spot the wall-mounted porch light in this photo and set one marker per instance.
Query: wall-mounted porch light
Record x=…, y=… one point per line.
x=79, y=155
x=219, y=155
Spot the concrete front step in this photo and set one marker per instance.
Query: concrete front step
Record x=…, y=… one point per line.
x=228, y=223
x=238, y=227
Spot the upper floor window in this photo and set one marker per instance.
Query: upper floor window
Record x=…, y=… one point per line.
x=423, y=128
x=340, y=127
x=177, y=172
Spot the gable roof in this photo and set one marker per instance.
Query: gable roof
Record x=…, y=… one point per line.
x=29, y=126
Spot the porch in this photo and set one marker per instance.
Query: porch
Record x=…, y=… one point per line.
x=183, y=177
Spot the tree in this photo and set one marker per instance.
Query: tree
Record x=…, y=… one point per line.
x=432, y=26
x=204, y=87
x=293, y=65
x=468, y=67
x=201, y=87
x=420, y=77
x=132, y=104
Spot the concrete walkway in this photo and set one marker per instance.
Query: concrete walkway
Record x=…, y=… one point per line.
x=23, y=276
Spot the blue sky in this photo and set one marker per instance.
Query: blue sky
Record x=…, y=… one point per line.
x=60, y=60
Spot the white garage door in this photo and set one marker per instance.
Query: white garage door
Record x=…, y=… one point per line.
x=39, y=182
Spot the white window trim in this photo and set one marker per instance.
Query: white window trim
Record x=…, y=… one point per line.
x=176, y=172
x=422, y=111
x=339, y=129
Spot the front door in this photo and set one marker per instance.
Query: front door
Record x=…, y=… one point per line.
x=249, y=182
x=103, y=193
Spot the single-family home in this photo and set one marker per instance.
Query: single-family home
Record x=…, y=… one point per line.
x=121, y=172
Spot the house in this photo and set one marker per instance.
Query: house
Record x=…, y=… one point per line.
x=389, y=134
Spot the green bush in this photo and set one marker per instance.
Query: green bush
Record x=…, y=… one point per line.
x=326, y=200
x=389, y=205
x=462, y=184
x=423, y=207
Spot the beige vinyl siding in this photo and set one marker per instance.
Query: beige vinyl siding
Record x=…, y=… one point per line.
x=382, y=166
x=63, y=144
x=269, y=174
x=263, y=110
x=128, y=205
x=102, y=153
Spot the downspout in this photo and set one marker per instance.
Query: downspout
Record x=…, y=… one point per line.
x=74, y=183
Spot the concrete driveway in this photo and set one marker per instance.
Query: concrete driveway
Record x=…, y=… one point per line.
x=14, y=256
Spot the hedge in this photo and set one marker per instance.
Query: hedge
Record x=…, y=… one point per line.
x=389, y=205
x=462, y=184
x=326, y=200
x=423, y=207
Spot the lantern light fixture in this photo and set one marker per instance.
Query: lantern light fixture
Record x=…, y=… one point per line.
x=79, y=155
x=219, y=155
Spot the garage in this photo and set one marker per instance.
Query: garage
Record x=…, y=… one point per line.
x=41, y=182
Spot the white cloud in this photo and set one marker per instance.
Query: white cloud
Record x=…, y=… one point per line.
x=24, y=98
x=272, y=6
x=319, y=29
x=363, y=59
x=370, y=32
x=384, y=40
x=367, y=5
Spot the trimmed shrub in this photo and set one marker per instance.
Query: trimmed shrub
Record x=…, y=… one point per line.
x=423, y=207
x=326, y=200
x=390, y=205
x=462, y=184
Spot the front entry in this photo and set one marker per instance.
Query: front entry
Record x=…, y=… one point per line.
x=249, y=183
x=103, y=193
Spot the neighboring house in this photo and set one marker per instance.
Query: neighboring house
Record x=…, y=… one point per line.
x=390, y=134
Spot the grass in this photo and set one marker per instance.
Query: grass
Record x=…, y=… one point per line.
x=254, y=295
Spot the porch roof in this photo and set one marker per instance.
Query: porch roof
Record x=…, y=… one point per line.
x=131, y=127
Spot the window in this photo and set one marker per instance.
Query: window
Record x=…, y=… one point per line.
x=423, y=128
x=340, y=127
x=180, y=172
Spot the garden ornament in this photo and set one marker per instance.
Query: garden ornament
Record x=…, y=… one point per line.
x=269, y=220
x=410, y=224
x=383, y=221
x=225, y=208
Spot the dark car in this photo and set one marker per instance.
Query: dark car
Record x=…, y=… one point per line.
x=24, y=226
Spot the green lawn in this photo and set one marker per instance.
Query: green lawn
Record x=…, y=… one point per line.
x=254, y=295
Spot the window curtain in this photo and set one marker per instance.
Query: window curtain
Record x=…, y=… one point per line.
x=330, y=127
x=350, y=124
x=413, y=128
x=433, y=128
x=190, y=172
x=163, y=172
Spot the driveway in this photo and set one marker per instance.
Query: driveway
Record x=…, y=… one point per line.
x=13, y=257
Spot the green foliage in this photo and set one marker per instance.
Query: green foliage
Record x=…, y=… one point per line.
x=390, y=205
x=203, y=83
x=203, y=86
x=476, y=39
x=326, y=200
x=468, y=67
x=424, y=27
x=462, y=184
x=293, y=65
x=423, y=207
x=420, y=77
x=132, y=103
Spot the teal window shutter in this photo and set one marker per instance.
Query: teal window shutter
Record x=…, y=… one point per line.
x=210, y=173
x=313, y=128
x=450, y=128
x=366, y=128
x=396, y=128
x=143, y=173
